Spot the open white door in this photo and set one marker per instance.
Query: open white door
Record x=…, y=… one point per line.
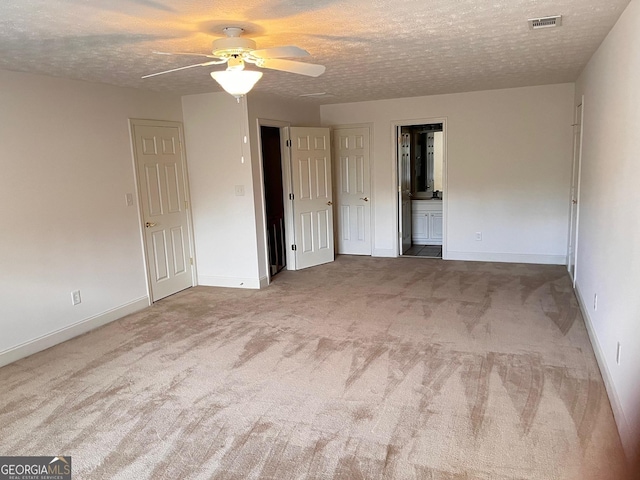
x=572, y=248
x=353, y=190
x=404, y=189
x=161, y=173
x=312, y=197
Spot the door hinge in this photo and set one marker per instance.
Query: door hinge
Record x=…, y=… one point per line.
x=291, y=196
x=293, y=247
x=288, y=143
x=191, y=260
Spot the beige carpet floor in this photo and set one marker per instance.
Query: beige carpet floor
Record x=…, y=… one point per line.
x=366, y=368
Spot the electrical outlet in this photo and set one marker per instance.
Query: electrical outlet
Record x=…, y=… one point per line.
x=478, y=236
x=595, y=301
x=618, y=353
x=75, y=297
x=239, y=190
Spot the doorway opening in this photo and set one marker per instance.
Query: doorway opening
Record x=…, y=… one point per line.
x=274, y=198
x=421, y=188
x=298, y=212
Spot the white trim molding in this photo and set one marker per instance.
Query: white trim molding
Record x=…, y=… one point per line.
x=624, y=429
x=384, y=252
x=67, y=333
x=506, y=257
x=231, y=282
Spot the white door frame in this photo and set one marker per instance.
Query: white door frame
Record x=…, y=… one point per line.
x=405, y=184
x=192, y=251
x=289, y=234
x=576, y=191
x=372, y=200
x=286, y=185
x=394, y=175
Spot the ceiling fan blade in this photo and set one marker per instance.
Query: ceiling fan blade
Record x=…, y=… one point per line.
x=280, y=52
x=189, y=54
x=181, y=68
x=155, y=5
x=292, y=66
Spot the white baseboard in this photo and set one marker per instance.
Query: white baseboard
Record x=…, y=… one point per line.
x=62, y=335
x=506, y=257
x=264, y=282
x=624, y=429
x=384, y=252
x=230, y=282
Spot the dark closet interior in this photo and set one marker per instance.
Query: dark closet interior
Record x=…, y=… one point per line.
x=273, y=192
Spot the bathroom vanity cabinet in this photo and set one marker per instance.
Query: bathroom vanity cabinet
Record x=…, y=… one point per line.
x=426, y=227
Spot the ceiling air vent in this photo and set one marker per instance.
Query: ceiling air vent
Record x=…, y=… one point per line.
x=545, y=22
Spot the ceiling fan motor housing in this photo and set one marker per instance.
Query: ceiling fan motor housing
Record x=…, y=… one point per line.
x=225, y=47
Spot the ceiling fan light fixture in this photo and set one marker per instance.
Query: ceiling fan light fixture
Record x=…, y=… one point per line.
x=237, y=82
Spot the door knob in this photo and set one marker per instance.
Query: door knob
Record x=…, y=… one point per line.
x=150, y=224
x=365, y=199
x=329, y=202
x=574, y=201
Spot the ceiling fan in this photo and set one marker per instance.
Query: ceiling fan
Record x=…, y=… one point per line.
x=236, y=51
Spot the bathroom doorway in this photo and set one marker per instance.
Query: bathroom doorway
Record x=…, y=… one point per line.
x=421, y=160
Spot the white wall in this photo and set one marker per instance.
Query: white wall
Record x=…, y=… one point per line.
x=508, y=169
x=224, y=223
x=66, y=168
x=609, y=233
x=229, y=229
x=265, y=108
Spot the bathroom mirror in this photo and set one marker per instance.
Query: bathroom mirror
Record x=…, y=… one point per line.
x=426, y=152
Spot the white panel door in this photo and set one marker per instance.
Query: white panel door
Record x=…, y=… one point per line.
x=161, y=174
x=353, y=190
x=312, y=196
x=404, y=189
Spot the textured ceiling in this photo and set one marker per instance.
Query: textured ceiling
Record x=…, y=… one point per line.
x=373, y=49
